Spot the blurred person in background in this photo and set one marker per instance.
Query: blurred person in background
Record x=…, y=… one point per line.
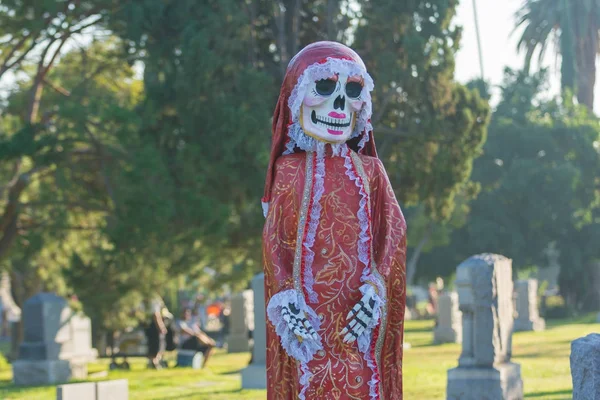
x=191, y=337
x=156, y=331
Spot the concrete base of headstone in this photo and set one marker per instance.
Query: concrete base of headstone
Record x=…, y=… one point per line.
x=445, y=335
x=76, y=391
x=254, y=377
x=79, y=370
x=40, y=372
x=503, y=382
x=528, y=325
x=238, y=344
x=585, y=367
x=112, y=390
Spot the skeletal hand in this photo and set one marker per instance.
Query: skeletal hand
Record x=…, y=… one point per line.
x=298, y=324
x=360, y=316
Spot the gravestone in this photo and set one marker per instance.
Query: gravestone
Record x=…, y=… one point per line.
x=241, y=322
x=112, y=390
x=76, y=391
x=44, y=317
x=527, y=316
x=190, y=358
x=449, y=320
x=485, y=292
x=11, y=312
x=585, y=367
x=254, y=376
x=551, y=271
x=77, y=344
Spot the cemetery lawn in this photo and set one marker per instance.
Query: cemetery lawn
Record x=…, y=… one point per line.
x=544, y=359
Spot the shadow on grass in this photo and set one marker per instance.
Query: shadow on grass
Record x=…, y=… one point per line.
x=237, y=371
x=418, y=330
x=195, y=395
x=546, y=394
x=586, y=319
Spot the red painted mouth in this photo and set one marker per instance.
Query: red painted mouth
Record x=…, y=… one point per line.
x=332, y=132
x=337, y=115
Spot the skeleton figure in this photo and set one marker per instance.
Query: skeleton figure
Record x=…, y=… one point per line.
x=334, y=240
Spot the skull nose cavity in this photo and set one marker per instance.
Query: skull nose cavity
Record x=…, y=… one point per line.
x=339, y=102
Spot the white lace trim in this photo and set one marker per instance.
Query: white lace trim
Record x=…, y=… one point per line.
x=364, y=256
x=364, y=340
x=304, y=351
x=305, y=376
x=324, y=70
x=265, y=208
x=364, y=237
x=313, y=224
x=307, y=143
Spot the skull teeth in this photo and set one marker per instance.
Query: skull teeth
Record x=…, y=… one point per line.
x=331, y=122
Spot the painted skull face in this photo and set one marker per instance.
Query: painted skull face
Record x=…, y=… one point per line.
x=330, y=106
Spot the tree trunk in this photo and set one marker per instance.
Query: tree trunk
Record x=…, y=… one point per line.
x=331, y=13
x=411, y=266
x=586, y=52
x=587, y=71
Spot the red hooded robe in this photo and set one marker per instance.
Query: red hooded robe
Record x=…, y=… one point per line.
x=331, y=194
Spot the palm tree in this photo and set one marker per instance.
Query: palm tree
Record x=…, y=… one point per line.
x=574, y=26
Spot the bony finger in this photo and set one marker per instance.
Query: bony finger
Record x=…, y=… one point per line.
x=348, y=338
x=359, y=331
x=344, y=331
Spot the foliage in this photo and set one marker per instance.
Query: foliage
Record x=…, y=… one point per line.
x=128, y=185
x=429, y=128
x=538, y=185
x=576, y=24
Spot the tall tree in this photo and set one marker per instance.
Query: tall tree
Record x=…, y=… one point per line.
x=428, y=127
x=576, y=23
x=45, y=160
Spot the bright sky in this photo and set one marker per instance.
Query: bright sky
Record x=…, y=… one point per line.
x=496, y=23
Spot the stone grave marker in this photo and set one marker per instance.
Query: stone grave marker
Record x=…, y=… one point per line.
x=254, y=376
x=76, y=391
x=44, y=315
x=527, y=316
x=10, y=311
x=77, y=344
x=242, y=322
x=112, y=390
x=585, y=367
x=449, y=320
x=485, y=291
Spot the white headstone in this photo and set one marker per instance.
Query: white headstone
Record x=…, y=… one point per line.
x=112, y=390
x=255, y=375
x=485, y=291
x=527, y=317
x=76, y=391
x=551, y=271
x=242, y=322
x=449, y=320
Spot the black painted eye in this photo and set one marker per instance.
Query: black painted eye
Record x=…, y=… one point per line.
x=353, y=89
x=325, y=87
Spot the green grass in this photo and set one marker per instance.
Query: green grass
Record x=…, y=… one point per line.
x=544, y=359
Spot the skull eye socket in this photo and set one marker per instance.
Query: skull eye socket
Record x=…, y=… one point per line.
x=325, y=87
x=353, y=89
